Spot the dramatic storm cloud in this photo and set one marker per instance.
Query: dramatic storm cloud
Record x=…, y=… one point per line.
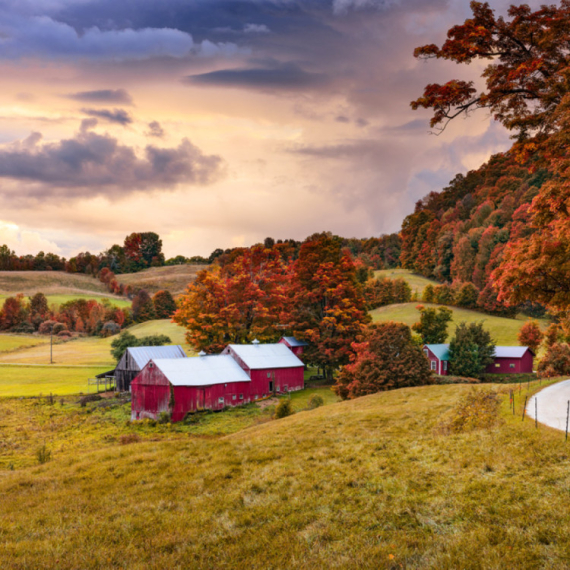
x=307, y=101
x=91, y=164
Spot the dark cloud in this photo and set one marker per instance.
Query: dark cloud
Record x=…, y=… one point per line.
x=102, y=96
x=119, y=116
x=285, y=76
x=155, y=130
x=91, y=164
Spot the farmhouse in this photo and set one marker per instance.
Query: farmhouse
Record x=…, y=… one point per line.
x=274, y=366
x=296, y=346
x=508, y=359
x=136, y=358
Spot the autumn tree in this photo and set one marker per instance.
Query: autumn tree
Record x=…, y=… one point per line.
x=243, y=300
x=386, y=359
x=467, y=296
x=142, y=307
x=471, y=350
x=530, y=335
x=13, y=313
x=552, y=335
x=327, y=308
x=433, y=324
x=556, y=361
x=526, y=69
x=428, y=294
x=164, y=304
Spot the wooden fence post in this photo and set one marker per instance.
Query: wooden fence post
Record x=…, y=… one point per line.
x=524, y=408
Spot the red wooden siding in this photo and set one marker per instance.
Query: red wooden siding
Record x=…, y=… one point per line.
x=441, y=367
x=522, y=365
x=151, y=392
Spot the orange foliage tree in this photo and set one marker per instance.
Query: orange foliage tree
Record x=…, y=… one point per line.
x=530, y=335
x=385, y=360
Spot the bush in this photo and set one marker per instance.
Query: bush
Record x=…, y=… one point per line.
x=556, y=362
x=43, y=454
x=110, y=328
x=89, y=398
x=164, y=417
x=25, y=328
x=455, y=380
x=479, y=409
x=284, y=409
x=315, y=401
x=58, y=327
x=129, y=438
x=47, y=327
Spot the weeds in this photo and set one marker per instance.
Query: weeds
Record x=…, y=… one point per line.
x=43, y=454
x=478, y=409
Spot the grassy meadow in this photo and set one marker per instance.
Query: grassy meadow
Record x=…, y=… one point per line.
x=503, y=330
x=416, y=282
x=377, y=482
x=175, y=278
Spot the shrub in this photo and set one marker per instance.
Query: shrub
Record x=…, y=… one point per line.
x=58, y=327
x=110, y=328
x=25, y=328
x=47, y=327
x=315, y=401
x=164, y=417
x=556, y=362
x=43, y=454
x=164, y=304
x=479, y=409
x=455, y=380
x=89, y=398
x=284, y=409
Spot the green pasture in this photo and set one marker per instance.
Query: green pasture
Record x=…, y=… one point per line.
x=504, y=331
x=11, y=342
x=416, y=282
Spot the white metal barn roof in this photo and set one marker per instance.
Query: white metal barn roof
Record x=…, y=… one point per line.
x=201, y=370
x=261, y=356
x=292, y=341
x=510, y=351
x=142, y=354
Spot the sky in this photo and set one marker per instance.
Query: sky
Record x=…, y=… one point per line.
x=217, y=123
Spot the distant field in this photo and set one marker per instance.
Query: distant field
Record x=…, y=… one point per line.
x=175, y=278
x=36, y=380
x=416, y=282
x=504, y=331
x=10, y=342
x=90, y=351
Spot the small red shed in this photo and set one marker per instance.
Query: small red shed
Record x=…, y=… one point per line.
x=511, y=360
x=187, y=385
x=296, y=346
x=438, y=356
x=273, y=366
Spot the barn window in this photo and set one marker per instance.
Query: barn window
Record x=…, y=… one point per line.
x=445, y=364
x=241, y=396
x=433, y=364
x=285, y=388
x=269, y=375
x=151, y=365
x=511, y=365
x=221, y=400
x=497, y=366
x=426, y=352
x=234, y=397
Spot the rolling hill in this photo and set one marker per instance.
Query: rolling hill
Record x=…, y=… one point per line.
x=175, y=278
x=370, y=483
x=503, y=330
x=416, y=282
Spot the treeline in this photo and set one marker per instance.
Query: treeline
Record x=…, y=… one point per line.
x=82, y=316
x=143, y=250
x=459, y=235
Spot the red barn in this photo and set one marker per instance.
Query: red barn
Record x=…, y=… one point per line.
x=187, y=385
x=511, y=360
x=296, y=346
x=272, y=366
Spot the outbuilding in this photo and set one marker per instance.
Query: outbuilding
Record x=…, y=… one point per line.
x=512, y=360
x=136, y=358
x=296, y=346
x=179, y=386
x=271, y=366
x=507, y=359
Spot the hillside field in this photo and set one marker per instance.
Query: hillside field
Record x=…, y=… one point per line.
x=504, y=331
x=416, y=282
x=375, y=482
x=74, y=361
x=175, y=278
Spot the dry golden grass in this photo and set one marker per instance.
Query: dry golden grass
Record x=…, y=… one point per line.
x=48, y=282
x=175, y=278
x=360, y=484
